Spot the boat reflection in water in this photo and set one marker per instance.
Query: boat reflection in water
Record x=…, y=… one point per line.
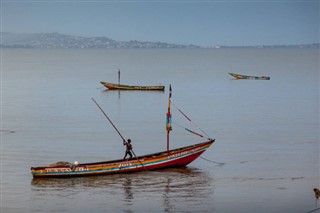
x=174, y=189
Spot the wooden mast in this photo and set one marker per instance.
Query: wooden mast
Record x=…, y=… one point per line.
x=118, y=76
x=168, y=126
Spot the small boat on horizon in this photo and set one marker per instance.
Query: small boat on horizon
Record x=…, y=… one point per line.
x=112, y=86
x=240, y=77
x=118, y=86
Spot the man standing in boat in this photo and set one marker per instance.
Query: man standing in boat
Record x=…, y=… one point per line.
x=128, y=149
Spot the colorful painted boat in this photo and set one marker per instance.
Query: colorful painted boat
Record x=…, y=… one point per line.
x=238, y=76
x=173, y=158
x=160, y=160
x=112, y=86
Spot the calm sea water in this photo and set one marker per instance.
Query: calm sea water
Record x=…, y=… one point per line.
x=267, y=132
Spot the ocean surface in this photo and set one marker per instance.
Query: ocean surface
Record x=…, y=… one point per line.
x=266, y=154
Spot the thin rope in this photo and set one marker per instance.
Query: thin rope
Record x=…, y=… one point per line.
x=189, y=119
x=211, y=161
x=195, y=133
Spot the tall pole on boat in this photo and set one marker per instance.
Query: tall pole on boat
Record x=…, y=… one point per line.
x=168, y=126
x=118, y=132
x=119, y=76
x=108, y=119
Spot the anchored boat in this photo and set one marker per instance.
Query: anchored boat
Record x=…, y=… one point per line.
x=160, y=160
x=238, y=76
x=172, y=158
x=112, y=86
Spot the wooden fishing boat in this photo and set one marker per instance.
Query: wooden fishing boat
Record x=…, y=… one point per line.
x=112, y=86
x=173, y=158
x=238, y=76
x=160, y=160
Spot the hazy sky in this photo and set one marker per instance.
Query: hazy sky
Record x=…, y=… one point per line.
x=203, y=23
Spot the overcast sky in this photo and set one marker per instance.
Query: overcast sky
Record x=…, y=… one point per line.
x=204, y=23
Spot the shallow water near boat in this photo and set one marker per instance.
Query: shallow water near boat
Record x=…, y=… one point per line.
x=266, y=132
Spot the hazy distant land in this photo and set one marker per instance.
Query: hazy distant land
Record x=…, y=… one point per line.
x=57, y=40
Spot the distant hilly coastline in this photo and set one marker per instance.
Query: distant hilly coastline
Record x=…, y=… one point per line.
x=57, y=40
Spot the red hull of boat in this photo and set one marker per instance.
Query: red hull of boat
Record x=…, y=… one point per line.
x=173, y=158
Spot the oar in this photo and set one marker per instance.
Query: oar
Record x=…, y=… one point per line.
x=118, y=131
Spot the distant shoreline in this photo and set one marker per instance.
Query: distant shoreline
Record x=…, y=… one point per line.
x=213, y=48
x=62, y=41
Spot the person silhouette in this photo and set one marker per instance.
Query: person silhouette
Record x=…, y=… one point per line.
x=128, y=149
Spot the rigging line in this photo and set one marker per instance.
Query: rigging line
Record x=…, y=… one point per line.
x=194, y=132
x=184, y=115
x=220, y=164
x=188, y=130
x=178, y=124
x=190, y=120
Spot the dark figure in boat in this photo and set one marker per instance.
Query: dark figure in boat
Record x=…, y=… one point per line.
x=128, y=149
